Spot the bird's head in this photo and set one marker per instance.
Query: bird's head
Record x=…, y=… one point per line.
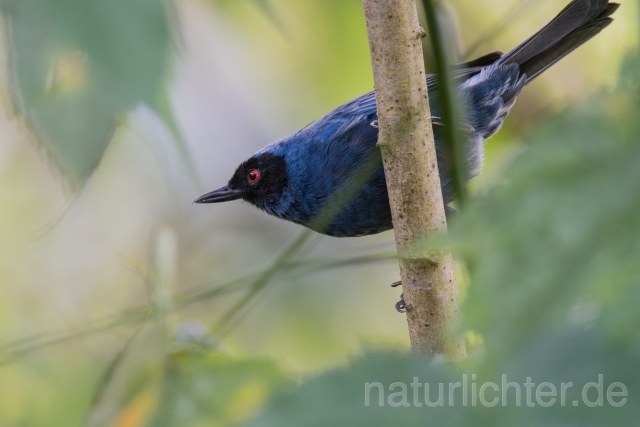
x=259, y=180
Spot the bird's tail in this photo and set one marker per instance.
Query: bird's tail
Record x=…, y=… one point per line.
x=578, y=22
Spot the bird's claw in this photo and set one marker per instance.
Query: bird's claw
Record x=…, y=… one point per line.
x=401, y=306
x=465, y=128
x=436, y=121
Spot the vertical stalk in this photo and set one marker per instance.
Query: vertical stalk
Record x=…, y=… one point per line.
x=432, y=10
x=411, y=172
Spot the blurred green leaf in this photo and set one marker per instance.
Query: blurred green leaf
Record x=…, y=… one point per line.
x=339, y=398
x=78, y=66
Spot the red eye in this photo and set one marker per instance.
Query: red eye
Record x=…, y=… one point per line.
x=253, y=176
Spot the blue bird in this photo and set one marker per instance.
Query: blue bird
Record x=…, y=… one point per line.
x=314, y=177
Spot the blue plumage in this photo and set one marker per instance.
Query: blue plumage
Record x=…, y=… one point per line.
x=308, y=177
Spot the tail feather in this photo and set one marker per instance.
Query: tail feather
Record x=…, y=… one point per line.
x=579, y=21
x=569, y=19
x=538, y=64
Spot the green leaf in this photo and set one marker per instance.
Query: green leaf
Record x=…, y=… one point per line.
x=78, y=66
x=338, y=398
x=377, y=390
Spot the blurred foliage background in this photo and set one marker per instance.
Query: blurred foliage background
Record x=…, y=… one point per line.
x=121, y=304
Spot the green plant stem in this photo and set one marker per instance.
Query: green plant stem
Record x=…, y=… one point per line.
x=447, y=98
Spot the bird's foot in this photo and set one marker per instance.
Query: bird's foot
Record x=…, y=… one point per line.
x=465, y=128
x=436, y=121
x=401, y=306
